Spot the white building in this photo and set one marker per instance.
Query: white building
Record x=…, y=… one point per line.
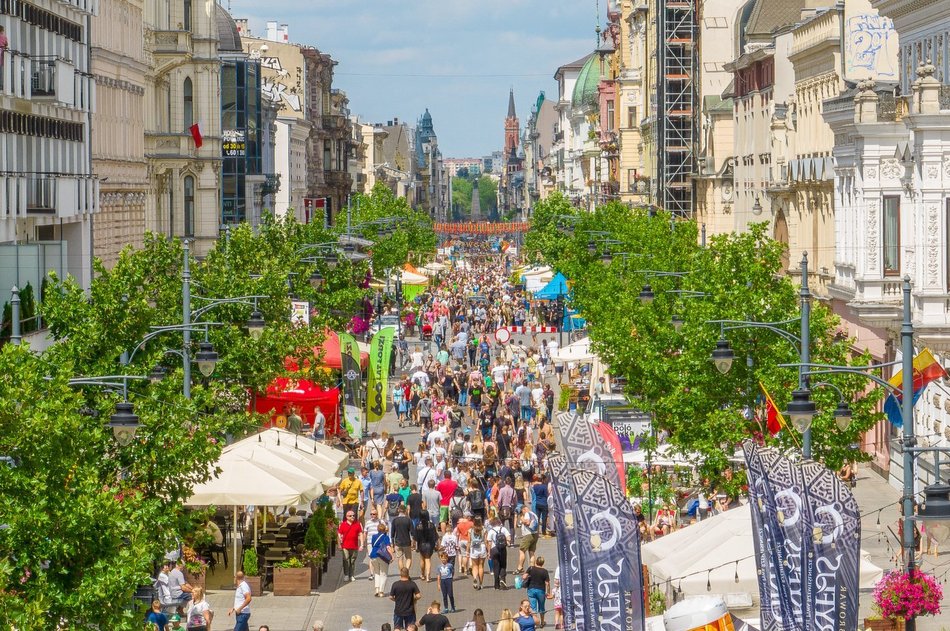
x=565, y=159
x=47, y=190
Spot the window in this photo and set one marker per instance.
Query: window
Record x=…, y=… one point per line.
x=188, y=102
x=632, y=119
x=189, y=214
x=610, y=115
x=186, y=7
x=891, y=237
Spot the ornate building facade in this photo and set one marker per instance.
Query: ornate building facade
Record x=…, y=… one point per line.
x=183, y=89
x=118, y=127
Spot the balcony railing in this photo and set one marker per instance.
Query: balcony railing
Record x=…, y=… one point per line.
x=334, y=122
x=171, y=42
x=40, y=194
x=336, y=178
x=43, y=77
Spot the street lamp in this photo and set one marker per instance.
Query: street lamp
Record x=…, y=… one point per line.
x=317, y=280
x=677, y=322
x=935, y=512
x=722, y=357
x=255, y=325
x=124, y=423
x=843, y=416
x=801, y=410
x=157, y=374
x=206, y=357
x=646, y=294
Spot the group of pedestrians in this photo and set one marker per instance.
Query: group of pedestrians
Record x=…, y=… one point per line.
x=474, y=488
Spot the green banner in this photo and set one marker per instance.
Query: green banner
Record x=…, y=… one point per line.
x=352, y=379
x=378, y=385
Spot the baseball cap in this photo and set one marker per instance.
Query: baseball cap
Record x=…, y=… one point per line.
x=175, y=618
x=351, y=470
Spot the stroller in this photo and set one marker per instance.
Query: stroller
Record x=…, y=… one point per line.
x=427, y=332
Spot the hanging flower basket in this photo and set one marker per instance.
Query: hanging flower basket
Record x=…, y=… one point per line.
x=907, y=595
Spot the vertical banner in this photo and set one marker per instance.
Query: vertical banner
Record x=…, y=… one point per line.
x=585, y=448
x=612, y=443
x=562, y=510
x=774, y=601
x=378, y=385
x=835, y=548
x=608, y=542
x=300, y=312
x=352, y=379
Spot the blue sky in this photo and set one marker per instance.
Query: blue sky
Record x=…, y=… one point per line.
x=465, y=53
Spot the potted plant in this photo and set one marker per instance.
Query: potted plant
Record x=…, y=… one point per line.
x=252, y=572
x=902, y=595
x=315, y=544
x=291, y=578
x=195, y=567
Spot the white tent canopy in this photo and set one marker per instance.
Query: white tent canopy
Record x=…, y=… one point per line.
x=687, y=557
x=579, y=351
x=434, y=267
x=273, y=468
x=407, y=277
x=664, y=455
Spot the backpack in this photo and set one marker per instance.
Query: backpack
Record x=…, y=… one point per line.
x=477, y=500
x=455, y=509
x=392, y=507
x=458, y=449
x=501, y=541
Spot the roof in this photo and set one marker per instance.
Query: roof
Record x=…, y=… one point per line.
x=585, y=90
x=229, y=38
x=574, y=65
x=714, y=103
x=511, y=104
x=769, y=16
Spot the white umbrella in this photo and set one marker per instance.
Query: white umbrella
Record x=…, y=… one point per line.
x=322, y=462
x=242, y=481
x=578, y=351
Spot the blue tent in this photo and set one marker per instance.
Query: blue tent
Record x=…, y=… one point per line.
x=556, y=288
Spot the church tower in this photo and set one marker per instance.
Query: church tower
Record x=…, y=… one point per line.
x=511, y=128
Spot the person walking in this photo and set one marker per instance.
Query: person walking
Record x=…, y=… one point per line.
x=529, y=537
x=446, y=578
x=242, y=603
x=538, y=582
x=199, y=613
x=498, y=537
x=401, y=528
x=478, y=552
x=478, y=622
x=540, y=492
x=426, y=540
x=351, y=539
x=351, y=491
x=404, y=593
x=525, y=618
x=380, y=555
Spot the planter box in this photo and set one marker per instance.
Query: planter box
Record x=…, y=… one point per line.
x=254, y=582
x=886, y=624
x=291, y=581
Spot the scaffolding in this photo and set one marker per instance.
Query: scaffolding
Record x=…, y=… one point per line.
x=676, y=105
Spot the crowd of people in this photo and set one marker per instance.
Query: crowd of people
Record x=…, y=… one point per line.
x=473, y=488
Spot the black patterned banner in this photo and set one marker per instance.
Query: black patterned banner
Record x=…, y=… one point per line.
x=608, y=543
x=562, y=505
x=586, y=448
x=775, y=603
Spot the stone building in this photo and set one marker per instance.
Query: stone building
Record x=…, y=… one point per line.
x=118, y=127
x=183, y=90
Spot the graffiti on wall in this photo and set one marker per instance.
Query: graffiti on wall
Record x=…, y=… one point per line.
x=279, y=86
x=870, y=47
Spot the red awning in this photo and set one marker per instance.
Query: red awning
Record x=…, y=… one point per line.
x=330, y=351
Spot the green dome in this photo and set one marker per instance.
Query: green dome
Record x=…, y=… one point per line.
x=585, y=90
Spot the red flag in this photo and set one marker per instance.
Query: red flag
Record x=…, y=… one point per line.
x=774, y=419
x=196, y=135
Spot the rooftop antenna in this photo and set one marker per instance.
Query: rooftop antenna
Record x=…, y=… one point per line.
x=597, y=27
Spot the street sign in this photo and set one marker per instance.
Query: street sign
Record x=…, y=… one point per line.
x=502, y=335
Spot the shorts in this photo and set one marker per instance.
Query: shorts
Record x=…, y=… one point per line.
x=403, y=553
x=443, y=513
x=529, y=543
x=463, y=548
x=478, y=553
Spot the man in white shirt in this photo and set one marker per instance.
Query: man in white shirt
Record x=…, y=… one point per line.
x=426, y=472
x=416, y=360
x=375, y=447
x=498, y=374
x=436, y=434
x=242, y=603
x=421, y=379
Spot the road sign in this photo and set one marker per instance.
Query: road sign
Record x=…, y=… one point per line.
x=502, y=335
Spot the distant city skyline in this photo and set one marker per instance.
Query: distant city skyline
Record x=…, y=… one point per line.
x=458, y=58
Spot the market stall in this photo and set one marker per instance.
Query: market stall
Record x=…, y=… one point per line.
x=286, y=396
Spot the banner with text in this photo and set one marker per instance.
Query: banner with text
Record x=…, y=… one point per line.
x=352, y=379
x=608, y=543
x=562, y=511
x=378, y=385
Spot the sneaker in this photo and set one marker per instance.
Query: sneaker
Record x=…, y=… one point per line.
x=504, y=585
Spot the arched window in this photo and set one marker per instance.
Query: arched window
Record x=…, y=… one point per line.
x=187, y=10
x=189, y=214
x=780, y=234
x=188, y=103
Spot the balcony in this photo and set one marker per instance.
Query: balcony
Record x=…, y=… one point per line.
x=42, y=194
x=171, y=42
x=337, y=178
x=334, y=122
x=876, y=301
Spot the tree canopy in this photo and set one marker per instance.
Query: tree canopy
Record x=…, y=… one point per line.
x=669, y=372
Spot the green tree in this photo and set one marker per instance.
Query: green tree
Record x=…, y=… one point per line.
x=488, y=196
x=669, y=372
x=412, y=234
x=462, y=196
